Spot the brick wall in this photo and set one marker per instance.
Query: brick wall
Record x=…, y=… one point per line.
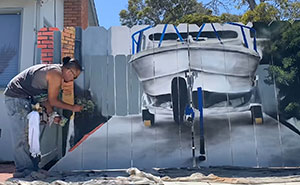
x=46, y=42
x=68, y=42
x=76, y=13
x=84, y=14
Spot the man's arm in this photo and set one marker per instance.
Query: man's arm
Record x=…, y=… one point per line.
x=54, y=83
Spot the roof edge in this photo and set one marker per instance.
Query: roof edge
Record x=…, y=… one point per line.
x=94, y=11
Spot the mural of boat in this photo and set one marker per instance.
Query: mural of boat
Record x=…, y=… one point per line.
x=220, y=58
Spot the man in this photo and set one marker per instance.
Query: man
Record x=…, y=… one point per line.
x=37, y=83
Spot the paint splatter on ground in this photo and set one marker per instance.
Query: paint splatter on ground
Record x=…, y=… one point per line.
x=171, y=176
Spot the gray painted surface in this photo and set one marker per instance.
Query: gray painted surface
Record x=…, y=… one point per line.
x=216, y=140
x=119, y=40
x=133, y=90
x=51, y=143
x=113, y=84
x=110, y=86
x=119, y=144
x=94, y=46
x=243, y=153
x=236, y=142
x=270, y=132
x=121, y=85
x=56, y=48
x=266, y=91
x=290, y=153
x=104, y=85
x=87, y=70
x=5, y=139
x=96, y=82
x=94, y=41
x=78, y=44
x=39, y=52
x=100, y=81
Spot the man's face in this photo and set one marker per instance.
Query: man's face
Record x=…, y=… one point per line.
x=71, y=74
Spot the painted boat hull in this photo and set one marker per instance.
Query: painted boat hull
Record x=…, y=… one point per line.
x=219, y=68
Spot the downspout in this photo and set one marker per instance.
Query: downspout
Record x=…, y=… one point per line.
x=38, y=4
x=54, y=13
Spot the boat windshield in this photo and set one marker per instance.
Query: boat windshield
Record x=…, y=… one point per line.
x=207, y=34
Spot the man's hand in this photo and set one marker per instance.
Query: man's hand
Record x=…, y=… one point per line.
x=57, y=120
x=77, y=108
x=48, y=107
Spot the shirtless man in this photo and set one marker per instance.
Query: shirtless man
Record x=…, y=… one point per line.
x=42, y=81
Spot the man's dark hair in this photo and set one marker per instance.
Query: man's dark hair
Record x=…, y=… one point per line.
x=69, y=62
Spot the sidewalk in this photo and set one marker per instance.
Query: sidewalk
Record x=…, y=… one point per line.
x=6, y=171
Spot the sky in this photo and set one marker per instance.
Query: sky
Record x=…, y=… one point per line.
x=108, y=11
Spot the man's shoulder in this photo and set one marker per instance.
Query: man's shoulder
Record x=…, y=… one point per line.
x=54, y=74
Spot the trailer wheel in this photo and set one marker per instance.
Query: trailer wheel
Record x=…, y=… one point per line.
x=179, y=98
x=256, y=114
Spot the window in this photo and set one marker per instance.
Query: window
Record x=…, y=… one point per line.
x=9, y=47
x=208, y=34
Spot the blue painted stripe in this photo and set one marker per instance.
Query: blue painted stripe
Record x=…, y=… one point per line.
x=162, y=35
x=216, y=33
x=254, y=39
x=244, y=37
x=200, y=31
x=201, y=126
x=178, y=34
x=251, y=29
x=139, y=42
x=133, y=39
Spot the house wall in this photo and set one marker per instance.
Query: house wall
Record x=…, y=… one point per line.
x=30, y=14
x=32, y=18
x=52, y=12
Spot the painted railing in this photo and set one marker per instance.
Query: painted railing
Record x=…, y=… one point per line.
x=244, y=36
x=136, y=44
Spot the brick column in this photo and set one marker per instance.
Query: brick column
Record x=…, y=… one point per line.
x=46, y=42
x=68, y=42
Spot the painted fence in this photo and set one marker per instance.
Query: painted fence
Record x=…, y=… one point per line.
x=113, y=83
x=231, y=136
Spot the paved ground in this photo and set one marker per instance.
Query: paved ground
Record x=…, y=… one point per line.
x=6, y=171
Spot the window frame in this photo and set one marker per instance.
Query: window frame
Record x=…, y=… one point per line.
x=14, y=11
